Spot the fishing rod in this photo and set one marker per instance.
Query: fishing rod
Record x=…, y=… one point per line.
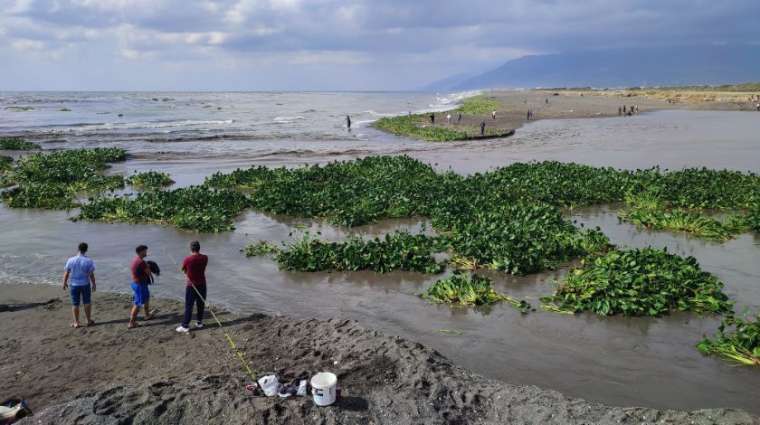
x=230, y=341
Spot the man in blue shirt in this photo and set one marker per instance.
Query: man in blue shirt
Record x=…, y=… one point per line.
x=80, y=272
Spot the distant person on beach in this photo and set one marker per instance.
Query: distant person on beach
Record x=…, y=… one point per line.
x=141, y=278
x=194, y=267
x=432, y=118
x=482, y=128
x=624, y=110
x=757, y=106
x=448, y=118
x=348, y=122
x=459, y=118
x=620, y=110
x=547, y=100
x=80, y=277
x=493, y=115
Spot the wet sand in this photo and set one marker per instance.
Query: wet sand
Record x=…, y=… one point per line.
x=567, y=104
x=107, y=374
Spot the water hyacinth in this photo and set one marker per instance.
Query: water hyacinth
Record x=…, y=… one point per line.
x=740, y=345
x=640, y=282
x=150, y=180
x=17, y=144
x=395, y=251
x=469, y=290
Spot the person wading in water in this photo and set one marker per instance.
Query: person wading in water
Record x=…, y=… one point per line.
x=194, y=267
x=348, y=122
x=80, y=272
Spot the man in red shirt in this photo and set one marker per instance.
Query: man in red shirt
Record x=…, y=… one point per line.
x=141, y=278
x=194, y=267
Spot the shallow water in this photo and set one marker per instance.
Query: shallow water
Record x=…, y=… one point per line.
x=636, y=361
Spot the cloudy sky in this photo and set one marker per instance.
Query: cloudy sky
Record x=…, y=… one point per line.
x=328, y=44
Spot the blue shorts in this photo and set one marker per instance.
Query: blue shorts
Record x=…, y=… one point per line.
x=80, y=294
x=141, y=294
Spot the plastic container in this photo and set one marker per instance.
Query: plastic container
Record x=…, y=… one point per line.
x=323, y=386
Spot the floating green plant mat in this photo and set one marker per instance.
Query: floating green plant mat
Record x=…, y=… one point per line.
x=651, y=212
x=470, y=290
x=394, y=251
x=640, y=282
x=740, y=344
x=150, y=180
x=53, y=180
x=17, y=144
x=195, y=208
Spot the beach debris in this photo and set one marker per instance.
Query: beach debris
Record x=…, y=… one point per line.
x=270, y=385
x=12, y=410
x=324, y=388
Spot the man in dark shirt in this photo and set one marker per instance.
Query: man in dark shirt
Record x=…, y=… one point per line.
x=141, y=278
x=194, y=267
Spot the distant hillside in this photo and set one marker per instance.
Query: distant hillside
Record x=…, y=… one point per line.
x=624, y=68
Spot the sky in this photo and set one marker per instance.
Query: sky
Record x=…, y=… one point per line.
x=328, y=44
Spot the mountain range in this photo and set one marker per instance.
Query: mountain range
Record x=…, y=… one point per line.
x=625, y=67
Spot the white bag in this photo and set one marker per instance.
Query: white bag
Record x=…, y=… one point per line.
x=270, y=385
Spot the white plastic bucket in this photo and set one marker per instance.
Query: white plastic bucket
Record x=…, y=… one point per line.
x=323, y=386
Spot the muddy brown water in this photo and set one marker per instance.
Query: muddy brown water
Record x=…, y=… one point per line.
x=618, y=361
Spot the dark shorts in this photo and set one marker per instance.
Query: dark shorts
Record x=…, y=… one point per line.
x=141, y=294
x=80, y=294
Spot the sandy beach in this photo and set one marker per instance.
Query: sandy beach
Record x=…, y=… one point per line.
x=107, y=374
x=564, y=104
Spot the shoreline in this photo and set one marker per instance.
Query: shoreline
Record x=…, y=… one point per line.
x=106, y=373
x=511, y=115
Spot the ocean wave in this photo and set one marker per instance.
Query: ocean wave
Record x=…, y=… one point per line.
x=287, y=120
x=139, y=125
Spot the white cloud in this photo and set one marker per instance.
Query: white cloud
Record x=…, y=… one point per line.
x=27, y=45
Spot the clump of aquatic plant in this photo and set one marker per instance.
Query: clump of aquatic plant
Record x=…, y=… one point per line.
x=17, y=144
x=150, y=180
x=346, y=193
x=395, y=251
x=469, y=290
x=260, y=248
x=479, y=105
x=54, y=180
x=196, y=208
x=417, y=126
x=650, y=212
x=739, y=345
x=698, y=188
x=640, y=282
x=6, y=163
x=519, y=238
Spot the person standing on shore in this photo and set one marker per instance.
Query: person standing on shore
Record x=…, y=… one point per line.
x=448, y=119
x=459, y=118
x=482, y=128
x=348, y=122
x=141, y=278
x=432, y=118
x=194, y=267
x=79, y=275
x=493, y=115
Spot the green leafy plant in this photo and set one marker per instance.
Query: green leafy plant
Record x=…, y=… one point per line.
x=260, y=248
x=150, y=180
x=17, y=144
x=640, y=282
x=394, y=251
x=469, y=290
x=479, y=105
x=650, y=212
x=741, y=345
x=54, y=180
x=198, y=208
